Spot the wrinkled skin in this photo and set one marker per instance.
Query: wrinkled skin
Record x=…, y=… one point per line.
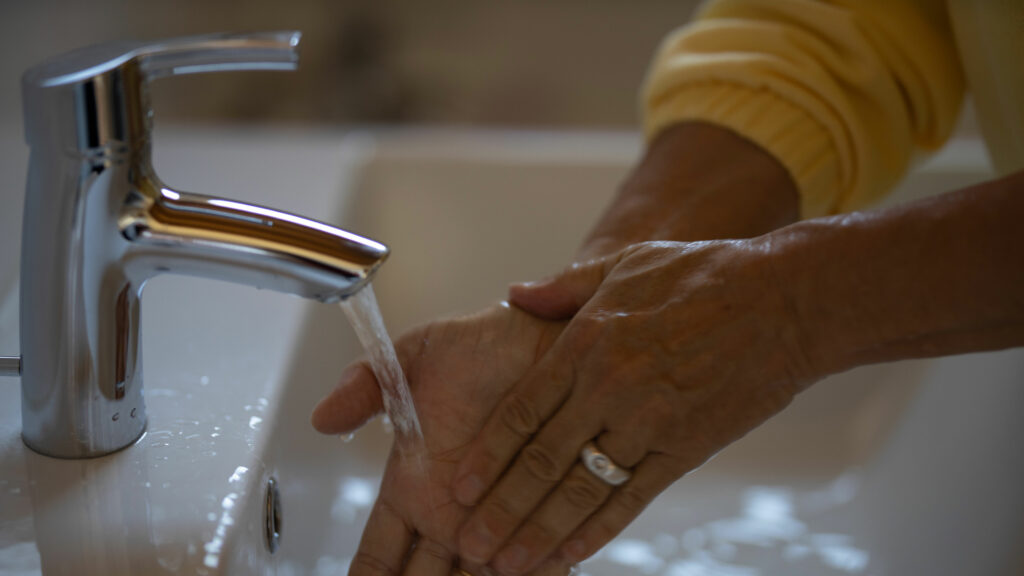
x=458, y=370
x=696, y=182
x=674, y=351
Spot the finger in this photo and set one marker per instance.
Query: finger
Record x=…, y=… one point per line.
x=536, y=471
x=429, y=558
x=384, y=545
x=577, y=497
x=560, y=297
x=652, y=476
x=512, y=423
x=355, y=400
x=537, y=396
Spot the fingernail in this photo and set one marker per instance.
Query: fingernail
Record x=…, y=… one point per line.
x=574, y=550
x=468, y=489
x=475, y=544
x=513, y=559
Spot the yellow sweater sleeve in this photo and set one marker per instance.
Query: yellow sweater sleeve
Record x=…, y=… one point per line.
x=841, y=92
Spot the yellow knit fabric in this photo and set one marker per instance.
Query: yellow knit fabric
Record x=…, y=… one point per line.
x=842, y=92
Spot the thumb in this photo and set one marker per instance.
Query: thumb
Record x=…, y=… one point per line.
x=561, y=296
x=354, y=401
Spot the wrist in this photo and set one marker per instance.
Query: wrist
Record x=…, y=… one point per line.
x=938, y=276
x=813, y=285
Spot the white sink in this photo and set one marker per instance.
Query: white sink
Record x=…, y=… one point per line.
x=905, y=468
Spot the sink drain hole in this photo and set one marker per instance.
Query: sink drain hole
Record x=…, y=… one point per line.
x=272, y=515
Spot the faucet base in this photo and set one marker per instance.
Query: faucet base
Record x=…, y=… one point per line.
x=85, y=454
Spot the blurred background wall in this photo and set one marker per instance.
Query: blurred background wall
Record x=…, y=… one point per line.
x=521, y=63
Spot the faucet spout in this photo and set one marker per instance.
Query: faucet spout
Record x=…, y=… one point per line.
x=198, y=235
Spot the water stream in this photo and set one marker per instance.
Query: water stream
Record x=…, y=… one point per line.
x=363, y=313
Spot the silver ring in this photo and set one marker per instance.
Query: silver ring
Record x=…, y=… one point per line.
x=602, y=466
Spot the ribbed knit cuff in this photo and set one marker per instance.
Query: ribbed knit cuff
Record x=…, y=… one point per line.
x=772, y=122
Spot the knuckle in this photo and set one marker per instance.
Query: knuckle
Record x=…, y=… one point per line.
x=588, y=331
x=500, y=510
x=646, y=251
x=539, y=463
x=434, y=550
x=663, y=406
x=630, y=501
x=583, y=491
x=366, y=564
x=520, y=416
x=536, y=532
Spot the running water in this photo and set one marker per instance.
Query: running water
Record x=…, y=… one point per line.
x=364, y=315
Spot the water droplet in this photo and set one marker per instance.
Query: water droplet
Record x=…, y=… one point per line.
x=239, y=473
x=203, y=381
x=347, y=437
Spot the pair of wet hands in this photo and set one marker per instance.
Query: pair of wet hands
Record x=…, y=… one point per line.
x=627, y=351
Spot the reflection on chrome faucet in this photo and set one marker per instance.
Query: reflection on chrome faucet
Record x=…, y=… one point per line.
x=99, y=223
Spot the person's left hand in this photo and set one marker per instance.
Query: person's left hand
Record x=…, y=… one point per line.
x=458, y=370
x=674, y=351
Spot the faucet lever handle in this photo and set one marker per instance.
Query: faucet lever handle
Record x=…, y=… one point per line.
x=92, y=98
x=220, y=52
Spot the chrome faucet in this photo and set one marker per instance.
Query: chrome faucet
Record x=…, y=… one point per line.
x=99, y=223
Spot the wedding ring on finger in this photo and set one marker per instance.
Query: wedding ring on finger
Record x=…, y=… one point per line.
x=600, y=465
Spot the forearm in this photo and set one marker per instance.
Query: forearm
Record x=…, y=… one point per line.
x=940, y=276
x=696, y=181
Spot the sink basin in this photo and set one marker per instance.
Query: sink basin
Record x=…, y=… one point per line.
x=909, y=467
